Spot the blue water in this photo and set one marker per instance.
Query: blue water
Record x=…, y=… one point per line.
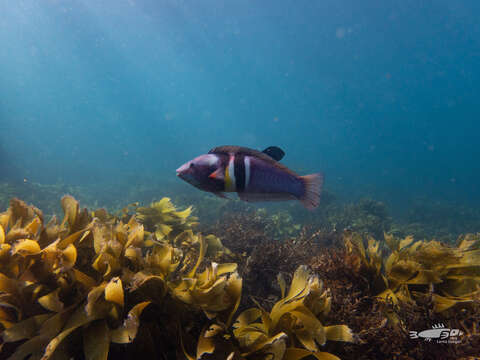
x=381, y=96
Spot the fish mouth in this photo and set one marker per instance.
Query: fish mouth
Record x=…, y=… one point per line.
x=182, y=169
x=181, y=173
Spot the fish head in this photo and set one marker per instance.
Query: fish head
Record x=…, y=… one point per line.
x=197, y=171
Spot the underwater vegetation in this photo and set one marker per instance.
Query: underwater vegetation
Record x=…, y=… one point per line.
x=85, y=281
x=146, y=282
x=424, y=220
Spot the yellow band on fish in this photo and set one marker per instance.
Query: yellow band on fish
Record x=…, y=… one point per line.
x=230, y=175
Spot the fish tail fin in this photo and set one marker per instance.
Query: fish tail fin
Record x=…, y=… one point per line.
x=313, y=187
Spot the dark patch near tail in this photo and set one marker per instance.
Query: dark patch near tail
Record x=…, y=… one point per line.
x=239, y=165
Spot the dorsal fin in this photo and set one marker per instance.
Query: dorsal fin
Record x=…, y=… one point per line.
x=231, y=149
x=274, y=152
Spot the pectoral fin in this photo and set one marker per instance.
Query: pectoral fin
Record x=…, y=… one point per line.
x=217, y=174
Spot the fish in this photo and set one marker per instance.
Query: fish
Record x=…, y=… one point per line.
x=254, y=175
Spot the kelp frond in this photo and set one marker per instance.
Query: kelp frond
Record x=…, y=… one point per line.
x=163, y=219
x=449, y=274
x=291, y=330
x=88, y=276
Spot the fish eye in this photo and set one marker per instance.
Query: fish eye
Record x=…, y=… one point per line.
x=192, y=164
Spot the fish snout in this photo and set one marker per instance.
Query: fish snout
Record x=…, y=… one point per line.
x=182, y=169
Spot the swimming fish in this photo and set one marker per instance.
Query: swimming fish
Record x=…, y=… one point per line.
x=254, y=175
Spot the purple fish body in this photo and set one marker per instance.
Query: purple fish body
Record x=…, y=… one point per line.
x=254, y=175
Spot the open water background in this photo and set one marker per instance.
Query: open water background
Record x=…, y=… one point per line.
x=381, y=96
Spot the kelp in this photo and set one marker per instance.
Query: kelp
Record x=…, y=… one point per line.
x=49, y=295
x=291, y=330
x=414, y=269
x=100, y=285
x=90, y=277
x=382, y=327
x=163, y=219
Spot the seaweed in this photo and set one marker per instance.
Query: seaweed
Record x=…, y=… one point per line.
x=291, y=330
x=77, y=286
x=150, y=281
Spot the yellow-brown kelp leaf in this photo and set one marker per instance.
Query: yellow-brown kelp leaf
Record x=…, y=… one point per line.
x=5, y=219
x=214, y=245
x=33, y=227
x=293, y=315
x=57, y=259
x=102, y=234
x=135, y=233
x=297, y=354
x=273, y=348
x=443, y=303
x=2, y=235
x=247, y=330
x=102, y=214
x=297, y=292
x=193, y=248
x=35, y=345
x=318, y=300
x=92, y=308
x=234, y=291
x=4, y=251
x=201, y=253
x=205, y=345
x=162, y=260
x=25, y=329
x=310, y=331
x=73, y=238
x=370, y=258
x=216, y=290
x=163, y=219
x=16, y=233
x=114, y=291
x=207, y=342
x=128, y=331
x=7, y=285
x=339, y=333
x=26, y=247
x=150, y=286
x=70, y=208
x=455, y=271
x=106, y=264
x=51, y=301
x=20, y=211
x=397, y=244
x=79, y=318
x=96, y=340
x=162, y=231
x=466, y=242
x=86, y=281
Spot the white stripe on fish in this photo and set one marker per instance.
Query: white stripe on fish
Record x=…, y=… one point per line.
x=247, y=170
x=230, y=184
